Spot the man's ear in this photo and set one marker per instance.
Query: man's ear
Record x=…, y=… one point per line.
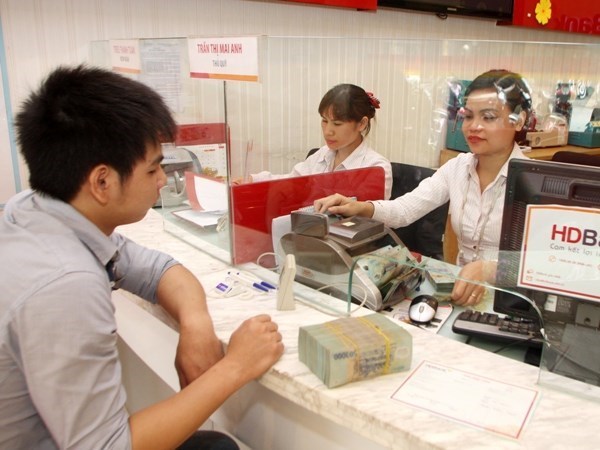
x=100, y=183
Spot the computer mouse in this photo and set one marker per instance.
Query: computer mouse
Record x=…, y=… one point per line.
x=422, y=309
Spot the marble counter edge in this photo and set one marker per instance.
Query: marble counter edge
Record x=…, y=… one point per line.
x=382, y=420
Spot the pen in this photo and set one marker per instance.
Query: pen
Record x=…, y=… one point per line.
x=253, y=279
x=247, y=282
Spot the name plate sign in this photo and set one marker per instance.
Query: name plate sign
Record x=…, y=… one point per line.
x=125, y=56
x=226, y=58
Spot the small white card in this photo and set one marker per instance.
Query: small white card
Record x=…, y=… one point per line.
x=464, y=397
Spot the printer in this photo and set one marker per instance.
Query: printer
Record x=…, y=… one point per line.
x=332, y=254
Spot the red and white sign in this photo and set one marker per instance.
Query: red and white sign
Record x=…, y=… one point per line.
x=227, y=58
x=125, y=55
x=561, y=251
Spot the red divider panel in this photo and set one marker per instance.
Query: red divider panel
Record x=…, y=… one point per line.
x=254, y=205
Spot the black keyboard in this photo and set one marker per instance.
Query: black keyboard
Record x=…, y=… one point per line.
x=492, y=326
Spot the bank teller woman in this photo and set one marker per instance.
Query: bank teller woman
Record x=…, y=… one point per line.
x=346, y=112
x=497, y=108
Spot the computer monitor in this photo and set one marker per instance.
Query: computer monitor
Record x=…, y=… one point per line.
x=550, y=253
x=534, y=182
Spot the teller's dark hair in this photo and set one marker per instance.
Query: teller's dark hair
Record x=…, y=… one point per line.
x=349, y=103
x=81, y=117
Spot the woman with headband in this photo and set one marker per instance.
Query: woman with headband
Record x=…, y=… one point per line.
x=497, y=108
x=346, y=111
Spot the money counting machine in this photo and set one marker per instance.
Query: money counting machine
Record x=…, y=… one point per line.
x=328, y=249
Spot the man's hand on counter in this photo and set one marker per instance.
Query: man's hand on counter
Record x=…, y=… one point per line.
x=255, y=346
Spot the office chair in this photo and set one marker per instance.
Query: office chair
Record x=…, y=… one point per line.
x=566, y=156
x=425, y=236
x=311, y=151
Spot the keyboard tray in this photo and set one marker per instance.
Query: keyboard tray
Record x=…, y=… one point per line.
x=492, y=326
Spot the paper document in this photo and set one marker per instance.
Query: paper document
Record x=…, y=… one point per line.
x=200, y=218
x=206, y=193
x=468, y=398
x=580, y=117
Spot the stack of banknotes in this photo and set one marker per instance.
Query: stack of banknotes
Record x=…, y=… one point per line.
x=354, y=348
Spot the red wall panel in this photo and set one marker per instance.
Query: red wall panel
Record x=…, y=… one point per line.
x=577, y=16
x=354, y=4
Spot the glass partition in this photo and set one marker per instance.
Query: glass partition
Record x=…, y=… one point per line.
x=232, y=130
x=556, y=330
x=271, y=125
x=201, y=150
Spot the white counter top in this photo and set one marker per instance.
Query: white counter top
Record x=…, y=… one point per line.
x=559, y=420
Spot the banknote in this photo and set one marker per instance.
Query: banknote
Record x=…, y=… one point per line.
x=354, y=348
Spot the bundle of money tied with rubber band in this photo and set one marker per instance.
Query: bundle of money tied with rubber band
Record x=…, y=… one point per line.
x=354, y=348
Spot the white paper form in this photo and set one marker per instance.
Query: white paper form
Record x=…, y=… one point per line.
x=468, y=398
x=211, y=194
x=208, y=199
x=580, y=117
x=200, y=218
x=206, y=194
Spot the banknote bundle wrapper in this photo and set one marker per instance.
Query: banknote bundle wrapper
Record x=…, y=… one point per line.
x=354, y=348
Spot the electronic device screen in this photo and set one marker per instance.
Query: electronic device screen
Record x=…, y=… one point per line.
x=541, y=183
x=493, y=9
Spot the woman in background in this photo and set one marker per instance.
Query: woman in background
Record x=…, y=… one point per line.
x=497, y=107
x=346, y=111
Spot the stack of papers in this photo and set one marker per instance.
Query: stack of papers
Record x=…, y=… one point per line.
x=354, y=348
x=208, y=198
x=200, y=218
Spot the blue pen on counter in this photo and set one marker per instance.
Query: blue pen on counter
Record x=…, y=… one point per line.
x=252, y=279
x=247, y=282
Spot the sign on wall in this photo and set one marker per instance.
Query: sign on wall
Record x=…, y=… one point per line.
x=582, y=16
x=227, y=58
x=125, y=55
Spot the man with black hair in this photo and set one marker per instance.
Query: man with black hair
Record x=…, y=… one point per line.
x=92, y=142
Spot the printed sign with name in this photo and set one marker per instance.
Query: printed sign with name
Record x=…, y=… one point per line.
x=228, y=58
x=125, y=55
x=561, y=251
